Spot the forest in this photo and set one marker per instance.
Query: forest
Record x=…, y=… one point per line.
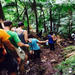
x=42, y=17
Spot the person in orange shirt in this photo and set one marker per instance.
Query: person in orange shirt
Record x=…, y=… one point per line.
x=6, y=60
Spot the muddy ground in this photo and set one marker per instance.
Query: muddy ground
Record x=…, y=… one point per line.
x=49, y=59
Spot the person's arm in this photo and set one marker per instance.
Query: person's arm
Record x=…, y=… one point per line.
x=10, y=47
x=2, y=23
x=42, y=41
x=26, y=36
x=54, y=37
x=22, y=44
x=18, y=41
x=8, y=44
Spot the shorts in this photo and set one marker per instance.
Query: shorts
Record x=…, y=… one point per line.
x=10, y=64
x=25, y=50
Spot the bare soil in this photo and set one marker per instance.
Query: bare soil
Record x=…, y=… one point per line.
x=49, y=59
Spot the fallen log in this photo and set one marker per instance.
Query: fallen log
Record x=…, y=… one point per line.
x=70, y=54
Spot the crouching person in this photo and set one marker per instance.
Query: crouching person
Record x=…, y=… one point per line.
x=35, y=48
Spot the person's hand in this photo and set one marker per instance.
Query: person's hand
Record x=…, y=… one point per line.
x=46, y=40
x=29, y=40
x=19, y=60
x=4, y=52
x=26, y=45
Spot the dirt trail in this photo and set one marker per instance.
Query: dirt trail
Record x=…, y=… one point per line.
x=48, y=60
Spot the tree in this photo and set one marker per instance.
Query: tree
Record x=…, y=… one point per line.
x=1, y=12
x=35, y=11
x=17, y=10
x=50, y=11
x=26, y=13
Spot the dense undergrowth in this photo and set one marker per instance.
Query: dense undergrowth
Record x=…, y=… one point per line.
x=67, y=66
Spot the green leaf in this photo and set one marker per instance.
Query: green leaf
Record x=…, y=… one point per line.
x=8, y=1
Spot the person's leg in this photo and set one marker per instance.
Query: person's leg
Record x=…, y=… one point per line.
x=31, y=55
x=38, y=53
x=34, y=55
x=50, y=45
x=26, y=58
x=12, y=65
x=38, y=59
x=53, y=48
x=2, y=67
x=26, y=54
x=13, y=73
x=38, y=56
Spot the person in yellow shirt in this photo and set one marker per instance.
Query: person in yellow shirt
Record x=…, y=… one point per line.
x=6, y=60
x=3, y=35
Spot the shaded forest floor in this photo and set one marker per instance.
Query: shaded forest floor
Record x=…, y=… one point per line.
x=49, y=59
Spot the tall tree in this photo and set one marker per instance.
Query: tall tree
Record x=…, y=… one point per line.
x=26, y=13
x=1, y=12
x=35, y=11
x=17, y=10
x=43, y=19
x=50, y=11
x=70, y=22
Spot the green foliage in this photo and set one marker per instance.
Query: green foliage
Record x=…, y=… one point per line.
x=59, y=13
x=71, y=48
x=25, y=23
x=68, y=50
x=62, y=16
x=8, y=1
x=69, y=62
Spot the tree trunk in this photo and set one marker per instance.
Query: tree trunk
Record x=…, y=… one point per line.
x=54, y=27
x=35, y=11
x=50, y=19
x=44, y=22
x=17, y=10
x=58, y=22
x=57, y=27
x=1, y=12
x=26, y=12
x=70, y=22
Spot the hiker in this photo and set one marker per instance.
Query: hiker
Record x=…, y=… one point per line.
x=73, y=36
x=14, y=39
x=34, y=47
x=23, y=35
x=51, y=40
x=6, y=60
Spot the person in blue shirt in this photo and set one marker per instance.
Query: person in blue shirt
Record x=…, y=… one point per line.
x=51, y=40
x=34, y=47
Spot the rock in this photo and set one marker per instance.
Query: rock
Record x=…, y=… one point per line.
x=53, y=61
